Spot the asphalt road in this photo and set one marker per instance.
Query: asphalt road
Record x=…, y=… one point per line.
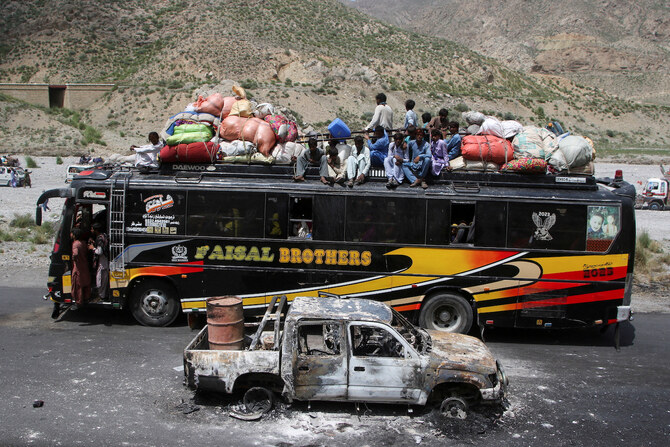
x=105, y=380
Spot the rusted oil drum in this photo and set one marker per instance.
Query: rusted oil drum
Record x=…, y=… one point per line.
x=225, y=323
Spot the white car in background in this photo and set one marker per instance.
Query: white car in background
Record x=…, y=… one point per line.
x=6, y=177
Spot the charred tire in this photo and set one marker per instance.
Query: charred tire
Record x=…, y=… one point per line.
x=656, y=206
x=258, y=399
x=446, y=312
x=154, y=303
x=454, y=407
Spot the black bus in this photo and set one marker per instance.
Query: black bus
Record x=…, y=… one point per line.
x=490, y=249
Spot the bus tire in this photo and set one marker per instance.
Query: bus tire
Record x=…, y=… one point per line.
x=446, y=312
x=154, y=303
x=656, y=206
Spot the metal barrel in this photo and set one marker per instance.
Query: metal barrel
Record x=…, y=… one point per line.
x=225, y=323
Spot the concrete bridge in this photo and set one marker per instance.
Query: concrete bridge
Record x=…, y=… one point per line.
x=70, y=96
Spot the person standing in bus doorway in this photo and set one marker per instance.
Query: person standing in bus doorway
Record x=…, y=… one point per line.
x=100, y=249
x=146, y=156
x=81, y=275
x=358, y=163
x=379, y=147
x=313, y=156
x=383, y=115
x=417, y=169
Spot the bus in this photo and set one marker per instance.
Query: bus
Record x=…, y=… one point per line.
x=485, y=249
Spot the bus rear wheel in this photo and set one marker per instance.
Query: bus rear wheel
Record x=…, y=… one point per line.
x=446, y=312
x=154, y=303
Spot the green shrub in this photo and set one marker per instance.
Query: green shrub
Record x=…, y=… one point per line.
x=22, y=221
x=30, y=163
x=461, y=107
x=59, y=161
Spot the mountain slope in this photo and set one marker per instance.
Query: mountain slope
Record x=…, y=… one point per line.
x=601, y=43
x=315, y=60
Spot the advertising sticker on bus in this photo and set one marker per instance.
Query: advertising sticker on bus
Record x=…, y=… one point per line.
x=153, y=213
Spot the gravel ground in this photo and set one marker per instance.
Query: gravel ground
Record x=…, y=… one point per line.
x=26, y=263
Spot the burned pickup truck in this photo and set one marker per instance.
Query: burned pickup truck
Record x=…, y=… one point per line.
x=355, y=350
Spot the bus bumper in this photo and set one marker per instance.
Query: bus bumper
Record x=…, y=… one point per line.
x=624, y=313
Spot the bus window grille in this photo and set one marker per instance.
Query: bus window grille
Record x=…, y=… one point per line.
x=116, y=227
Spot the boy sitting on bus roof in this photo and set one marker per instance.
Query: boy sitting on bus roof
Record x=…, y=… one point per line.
x=417, y=169
x=397, y=155
x=379, y=146
x=454, y=141
x=358, y=163
x=313, y=156
x=146, y=156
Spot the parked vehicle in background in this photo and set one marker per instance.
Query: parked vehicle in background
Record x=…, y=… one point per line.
x=6, y=177
x=73, y=170
x=655, y=192
x=357, y=350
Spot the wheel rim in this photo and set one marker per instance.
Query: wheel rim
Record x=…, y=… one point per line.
x=454, y=407
x=154, y=303
x=446, y=317
x=258, y=400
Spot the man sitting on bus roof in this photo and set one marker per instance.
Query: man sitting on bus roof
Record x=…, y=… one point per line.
x=379, y=146
x=419, y=165
x=146, y=156
x=313, y=156
x=358, y=163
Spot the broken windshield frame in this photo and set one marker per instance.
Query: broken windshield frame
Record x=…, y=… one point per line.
x=417, y=337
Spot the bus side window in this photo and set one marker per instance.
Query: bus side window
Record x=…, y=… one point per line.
x=300, y=217
x=491, y=224
x=276, y=215
x=438, y=231
x=462, y=223
x=328, y=218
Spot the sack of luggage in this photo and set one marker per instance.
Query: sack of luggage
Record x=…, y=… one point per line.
x=249, y=129
x=486, y=148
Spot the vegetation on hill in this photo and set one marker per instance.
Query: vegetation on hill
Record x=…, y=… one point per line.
x=315, y=60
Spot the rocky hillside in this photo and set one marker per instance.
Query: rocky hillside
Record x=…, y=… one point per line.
x=315, y=60
x=622, y=46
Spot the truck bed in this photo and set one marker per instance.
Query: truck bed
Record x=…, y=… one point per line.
x=216, y=370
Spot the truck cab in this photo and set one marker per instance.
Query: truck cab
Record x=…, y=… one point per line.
x=655, y=194
x=354, y=350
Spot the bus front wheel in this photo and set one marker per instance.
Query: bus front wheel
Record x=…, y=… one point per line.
x=154, y=303
x=446, y=312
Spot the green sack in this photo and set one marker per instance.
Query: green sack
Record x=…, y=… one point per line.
x=190, y=137
x=192, y=128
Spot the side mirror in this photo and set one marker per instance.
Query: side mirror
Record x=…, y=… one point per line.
x=38, y=216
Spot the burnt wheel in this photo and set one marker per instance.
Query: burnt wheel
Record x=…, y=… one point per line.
x=258, y=399
x=454, y=407
x=447, y=312
x=154, y=303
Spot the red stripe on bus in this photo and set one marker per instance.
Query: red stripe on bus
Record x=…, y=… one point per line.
x=172, y=270
x=617, y=273
x=575, y=299
x=408, y=307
